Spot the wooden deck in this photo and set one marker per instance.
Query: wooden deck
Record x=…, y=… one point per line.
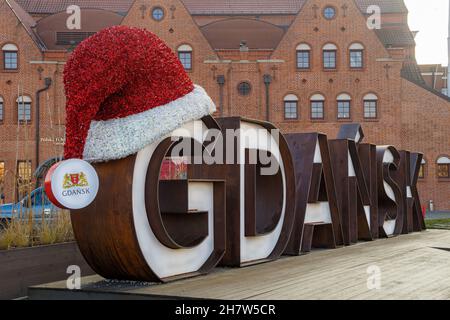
x=414, y=266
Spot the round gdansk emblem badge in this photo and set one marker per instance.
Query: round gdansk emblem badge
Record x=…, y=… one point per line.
x=72, y=184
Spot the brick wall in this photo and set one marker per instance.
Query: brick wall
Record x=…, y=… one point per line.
x=425, y=127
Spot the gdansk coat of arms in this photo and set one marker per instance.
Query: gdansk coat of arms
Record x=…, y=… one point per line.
x=75, y=180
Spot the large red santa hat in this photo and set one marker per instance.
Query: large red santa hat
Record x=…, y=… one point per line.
x=126, y=89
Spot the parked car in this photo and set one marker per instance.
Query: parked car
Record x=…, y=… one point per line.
x=36, y=204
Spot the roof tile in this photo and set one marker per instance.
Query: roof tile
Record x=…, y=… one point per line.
x=204, y=7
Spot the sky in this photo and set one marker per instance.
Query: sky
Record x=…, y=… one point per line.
x=430, y=18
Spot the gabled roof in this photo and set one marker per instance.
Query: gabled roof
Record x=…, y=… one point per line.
x=53, y=6
x=27, y=22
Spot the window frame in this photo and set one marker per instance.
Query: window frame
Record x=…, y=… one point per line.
x=362, y=59
x=290, y=101
x=422, y=172
x=339, y=101
x=297, y=59
x=25, y=104
x=376, y=108
x=445, y=165
x=325, y=51
x=324, y=12
x=29, y=166
x=158, y=8
x=2, y=174
x=4, y=53
x=190, y=59
x=249, y=88
x=313, y=101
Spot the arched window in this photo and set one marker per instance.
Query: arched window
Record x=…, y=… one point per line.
x=329, y=56
x=24, y=109
x=344, y=106
x=185, y=56
x=303, y=56
x=317, y=107
x=244, y=88
x=356, y=54
x=291, y=107
x=1, y=110
x=422, y=169
x=443, y=167
x=370, y=106
x=10, y=57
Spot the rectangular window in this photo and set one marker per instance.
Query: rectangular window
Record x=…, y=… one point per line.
x=356, y=59
x=329, y=59
x=23, y=176
x=1, y=111
x=2, y=172
x=303, y=57
x=186, y=59
x=370, y=109
x=317, y=108
x=24, y=111
x=290, y=110
x=422, y=171
x=444, y=170
x=10, y=60
x=343, y=109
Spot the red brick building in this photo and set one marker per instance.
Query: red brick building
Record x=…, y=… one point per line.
x=306, y=65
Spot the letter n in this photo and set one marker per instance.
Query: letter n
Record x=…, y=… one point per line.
x=352, y=193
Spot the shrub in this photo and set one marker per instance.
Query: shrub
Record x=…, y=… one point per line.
x=20, y=233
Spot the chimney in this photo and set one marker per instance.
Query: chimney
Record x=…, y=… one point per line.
x=243, y=46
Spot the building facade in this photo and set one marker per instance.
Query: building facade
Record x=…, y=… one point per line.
x=305, y=65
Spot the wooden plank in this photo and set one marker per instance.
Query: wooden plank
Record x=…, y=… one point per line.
x=410, y=269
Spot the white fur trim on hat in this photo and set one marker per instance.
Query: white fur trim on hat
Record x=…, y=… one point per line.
x=118, y=138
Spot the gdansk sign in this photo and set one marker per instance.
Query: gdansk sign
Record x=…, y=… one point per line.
x=144, y=225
